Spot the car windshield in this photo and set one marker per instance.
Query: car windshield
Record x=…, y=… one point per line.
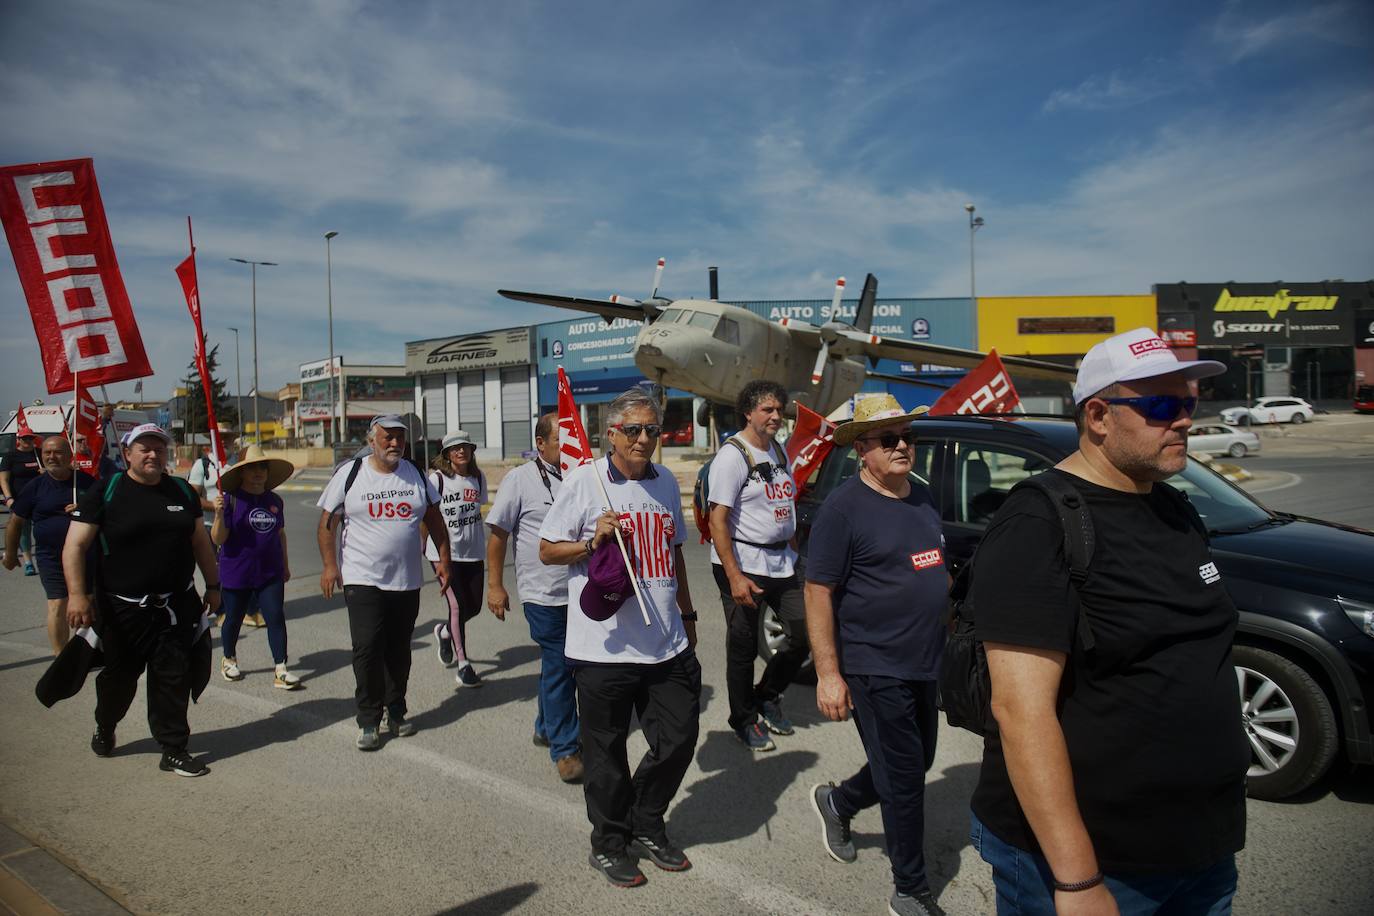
x=1223, y=507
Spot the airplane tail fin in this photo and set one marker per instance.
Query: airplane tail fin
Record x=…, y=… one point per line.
x=863, y=318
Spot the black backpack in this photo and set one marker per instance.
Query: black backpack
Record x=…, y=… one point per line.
x=337, y=515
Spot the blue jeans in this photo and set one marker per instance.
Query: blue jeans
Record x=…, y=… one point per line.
x=557, y=717
x=1025, y=886
x=236, y=602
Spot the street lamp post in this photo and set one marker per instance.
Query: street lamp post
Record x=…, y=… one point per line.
x=238, y=381
x=974, y=224
x=329, y=293
x=254, y=265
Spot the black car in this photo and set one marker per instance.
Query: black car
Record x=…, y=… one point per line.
x=1304, y=650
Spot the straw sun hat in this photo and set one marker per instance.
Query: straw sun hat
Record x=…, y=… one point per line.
x=873, y=411
x=278, y=470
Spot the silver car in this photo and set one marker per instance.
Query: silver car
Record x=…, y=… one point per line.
x=1218, y=440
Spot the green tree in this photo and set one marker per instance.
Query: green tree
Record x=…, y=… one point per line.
x=226, y=411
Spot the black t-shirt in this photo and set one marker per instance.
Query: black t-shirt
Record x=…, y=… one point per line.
x=44, y=502
x=1151, y=715
x=145, y=534
x=23, y=467
x=885, y=558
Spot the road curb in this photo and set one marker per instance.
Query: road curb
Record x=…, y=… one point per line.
x=34, y=882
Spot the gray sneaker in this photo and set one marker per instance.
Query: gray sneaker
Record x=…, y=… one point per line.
x=922, y=904
x=368, y=739
x=400, y=726
x=834, y=829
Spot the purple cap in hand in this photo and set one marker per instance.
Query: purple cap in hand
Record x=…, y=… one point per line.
x=608, y=581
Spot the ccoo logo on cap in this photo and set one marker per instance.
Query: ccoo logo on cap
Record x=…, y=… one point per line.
x=1131, y=356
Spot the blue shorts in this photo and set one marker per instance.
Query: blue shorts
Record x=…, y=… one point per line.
x=53, y=579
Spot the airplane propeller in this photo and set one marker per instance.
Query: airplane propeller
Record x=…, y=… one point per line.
x=651, y=306
x=835, y=330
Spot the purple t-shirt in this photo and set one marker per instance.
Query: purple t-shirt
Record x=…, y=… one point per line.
x=251, y=557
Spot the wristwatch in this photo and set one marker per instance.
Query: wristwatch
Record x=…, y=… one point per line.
x=588, y=545
x=690, y=618
x=212, y=588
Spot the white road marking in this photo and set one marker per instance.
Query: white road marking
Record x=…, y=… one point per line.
x=1282, y=485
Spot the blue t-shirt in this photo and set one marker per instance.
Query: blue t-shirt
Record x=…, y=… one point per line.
x=885, y=558
x=43, y=501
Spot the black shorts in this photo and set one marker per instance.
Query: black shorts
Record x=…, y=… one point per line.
x=54, y=580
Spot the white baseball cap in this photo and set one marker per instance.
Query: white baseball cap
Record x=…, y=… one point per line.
x=145, y=429
x=1131, y=356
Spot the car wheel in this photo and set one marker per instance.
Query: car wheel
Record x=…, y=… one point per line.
x=772, y=637
x=1237, y=450
x=1288, y=722
x=1298, y=418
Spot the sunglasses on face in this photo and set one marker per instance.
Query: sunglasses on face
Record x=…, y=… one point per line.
x=1159, y=407
x=632, y=430
x=889, y=440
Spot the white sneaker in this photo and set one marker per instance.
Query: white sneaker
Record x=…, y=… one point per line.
x=229, y=667
x=285, y=679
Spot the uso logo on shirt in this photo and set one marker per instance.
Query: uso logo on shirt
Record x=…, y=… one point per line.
x=261, y=520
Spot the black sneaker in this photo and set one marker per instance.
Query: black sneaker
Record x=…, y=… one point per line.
x=466, y=677
x=181, y=763
x=661, y=852
x=103, y=742
x=834, y=829
x=618, y=868
x=445, y=645
x=774, y=719
x=922, y=904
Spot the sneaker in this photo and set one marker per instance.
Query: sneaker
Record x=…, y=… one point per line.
x=368, y=740
x=834, y=829
x=229, y=667
x=755, y=738
x=774, y=719
x=219, y=620
x=182, y=764
x=285, y=679
x=539, y=740
x=466, y=677
x=29, y=570
x=619, y=869
x=441, y=639
x=661, y=852
x=103, y=742
x=254, y=620
x=922, y=904
x=400, y=726
x=570, y=768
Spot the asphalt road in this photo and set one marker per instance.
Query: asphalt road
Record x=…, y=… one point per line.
x=1337, y=489
x=468, y=817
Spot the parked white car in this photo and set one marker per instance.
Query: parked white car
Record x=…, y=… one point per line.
x=1271, y=410
x=1222, y=440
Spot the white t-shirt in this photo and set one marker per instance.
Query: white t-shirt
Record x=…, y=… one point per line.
x=460, y=503
x=209, y=479
x=382, y=515
x=522, y=502
x=761, y=511
x=654, y=507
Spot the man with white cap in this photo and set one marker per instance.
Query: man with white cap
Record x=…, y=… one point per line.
x=876, y=590
x=1115, y=781
x=151, y=541
x=382, y=498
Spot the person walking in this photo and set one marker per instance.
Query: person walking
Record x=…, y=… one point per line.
x=250, y=529
x=18, y=466
x=876, y=589
x=521, y=504
x=462, y=489
x=1115, y=781
x=382, y=499
x=151, y=542
x=46, y=503
x=753, y=519
x=623, y=667
x=100, y=467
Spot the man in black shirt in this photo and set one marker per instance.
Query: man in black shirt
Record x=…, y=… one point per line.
x=1116, y=780
x=17, y=467
x=151, y=539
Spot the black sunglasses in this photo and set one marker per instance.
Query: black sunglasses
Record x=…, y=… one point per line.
x=1159, y=407
x=889, y=440
x=634, y=429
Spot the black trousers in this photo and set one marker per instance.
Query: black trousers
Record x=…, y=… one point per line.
x=157, y=638
x=667, y=699
x=742, y=643
x=898, y=724
x=381, y=624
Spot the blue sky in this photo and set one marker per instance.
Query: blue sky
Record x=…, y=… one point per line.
x=458, y=148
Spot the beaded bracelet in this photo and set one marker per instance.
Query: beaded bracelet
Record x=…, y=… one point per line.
x=1092, y=882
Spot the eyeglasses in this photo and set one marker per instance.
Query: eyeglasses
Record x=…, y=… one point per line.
x=632, y=430
x=889, y=440
x=1159, y=407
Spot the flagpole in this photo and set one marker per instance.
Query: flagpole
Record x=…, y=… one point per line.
x=76, y=408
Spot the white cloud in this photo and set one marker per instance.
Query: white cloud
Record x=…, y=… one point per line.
x=1243, y=33
x=1109, y=92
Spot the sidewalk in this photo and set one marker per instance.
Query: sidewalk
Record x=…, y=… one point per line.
x=33, y=882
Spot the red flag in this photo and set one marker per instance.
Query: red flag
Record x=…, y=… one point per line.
x=186, y=273
x=86, y=422
x=986, y=389
x=574, y=449
x=21, y=423
x=55, y=223
x=811, y=440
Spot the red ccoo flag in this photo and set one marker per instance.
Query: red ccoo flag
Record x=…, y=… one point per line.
x=987, y=389
x=86, y=422
x=186, y=273
x=811, y=440
x=574, y=449
x=21, y=423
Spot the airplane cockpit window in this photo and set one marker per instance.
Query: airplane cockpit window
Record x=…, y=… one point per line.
x=728, y=331
x=704, y=320
x=671, y=316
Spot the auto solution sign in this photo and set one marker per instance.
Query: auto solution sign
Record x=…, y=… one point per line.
x=1296, y=314
x=487, y=350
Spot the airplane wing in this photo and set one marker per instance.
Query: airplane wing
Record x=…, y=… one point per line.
x=603, y=307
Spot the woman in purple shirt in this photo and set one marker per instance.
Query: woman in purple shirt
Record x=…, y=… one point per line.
x=250, y=529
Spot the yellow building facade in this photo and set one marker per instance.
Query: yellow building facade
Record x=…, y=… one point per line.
x=1058, y=325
